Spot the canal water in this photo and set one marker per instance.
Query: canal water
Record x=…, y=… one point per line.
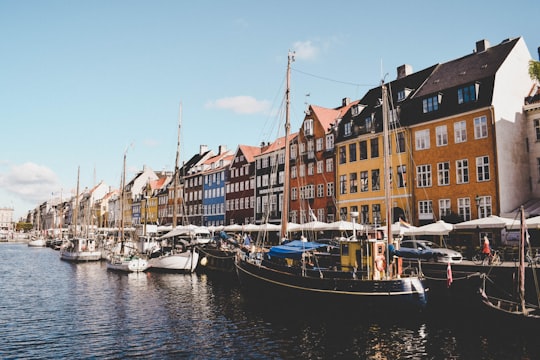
x=51, y=309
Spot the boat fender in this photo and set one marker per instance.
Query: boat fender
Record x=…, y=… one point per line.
x=380, y=263
x=204, y=261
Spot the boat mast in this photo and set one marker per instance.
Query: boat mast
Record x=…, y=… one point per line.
x=175, y=183
x=285, y=205
x=76, y=210
x=122, y=196
x=522, y=261
x=387, y=184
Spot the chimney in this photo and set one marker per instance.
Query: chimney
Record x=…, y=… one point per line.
x=404, y=70
x=345, y=101
x=203, y=149
x=482, y=45
x=222, y=149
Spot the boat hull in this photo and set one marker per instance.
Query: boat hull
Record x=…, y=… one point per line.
x=80, y=256
x=401, y=293
x=175, y=262
x=216, y=260
x=37, y=243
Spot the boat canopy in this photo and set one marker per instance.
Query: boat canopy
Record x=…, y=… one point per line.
x=293, y=249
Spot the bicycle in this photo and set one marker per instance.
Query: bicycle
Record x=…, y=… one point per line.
x=494, y=258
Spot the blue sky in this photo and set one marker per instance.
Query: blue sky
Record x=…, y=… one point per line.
x=82, y=81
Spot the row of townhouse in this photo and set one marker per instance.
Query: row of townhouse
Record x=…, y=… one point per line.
x=465, y=143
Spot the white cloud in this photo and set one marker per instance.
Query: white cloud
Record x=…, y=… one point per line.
x=29, y=182
x=241, y=104
x=305, y=50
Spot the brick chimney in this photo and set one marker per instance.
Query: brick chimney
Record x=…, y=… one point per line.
x=404, y=70
x=482, y=45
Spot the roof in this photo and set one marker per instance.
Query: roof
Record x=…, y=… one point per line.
x=278, y=144
x=249, y=152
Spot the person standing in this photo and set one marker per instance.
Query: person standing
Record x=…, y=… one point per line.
x=486, y=249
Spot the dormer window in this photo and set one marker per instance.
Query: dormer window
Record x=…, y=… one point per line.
x=431, y=103
x=355, y=110
x=369, y=123
x=403, y=94
x=308, y=127
x=348, y=128
x=468, y=93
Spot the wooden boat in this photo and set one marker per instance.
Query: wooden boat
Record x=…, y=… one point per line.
x=352, y=273
x=513, y=311
x=130, y=263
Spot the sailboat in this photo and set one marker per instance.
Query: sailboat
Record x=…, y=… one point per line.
x=174, y=254
x=38, y=240
x=350, y=273
x=513, y=311
x=122, y=258
x=79, y=248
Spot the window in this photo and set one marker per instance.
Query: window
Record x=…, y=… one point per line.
x=480, y=127
x=444, y=208
x=430, y=104
x=330, y=189
x=352, y=152
x=319, y=144
x=342, y=155
x=443, y=173
x=537, y=129
x=484, y=206
x=400, y=146
x=374, y=148
x=293, y=173
x=482, y=168
x=329, y=165
x=462, y=171
x=320, y=190
x=343, y=213
x=320, y=166
x=375, y=180
x=353, y=182
x=364, y=181
x=423, y=176
x=294, y=193
x=467, y=94
x=369, y=123
x=464, y=208
x=442, y=135
x=402, y=176
x=343, y=184
x=329, y=141
x=460, y=131
x=310, y=168
x=308, y=127
x=422, y=139
x=302, y=170
x=347, y=128
x=363, y=150
x=364, y=214
x=425, y=210
x=376, y=209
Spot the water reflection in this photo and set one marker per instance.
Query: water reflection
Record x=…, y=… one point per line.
x=54, y=309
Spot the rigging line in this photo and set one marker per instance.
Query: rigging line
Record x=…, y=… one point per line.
x=331, y=80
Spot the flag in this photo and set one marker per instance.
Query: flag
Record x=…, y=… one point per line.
x=449, y=275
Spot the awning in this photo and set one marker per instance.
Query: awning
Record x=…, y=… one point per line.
x=293, y=249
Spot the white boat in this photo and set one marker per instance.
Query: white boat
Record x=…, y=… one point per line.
x=127, y=263
x=37, y=242
x=80, y=249
x=173, y=257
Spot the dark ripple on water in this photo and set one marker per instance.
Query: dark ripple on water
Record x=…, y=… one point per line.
x=54, y=309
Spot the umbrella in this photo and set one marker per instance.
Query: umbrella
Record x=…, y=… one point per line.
x=490, y=222
x=344, y=226
x=437, y=228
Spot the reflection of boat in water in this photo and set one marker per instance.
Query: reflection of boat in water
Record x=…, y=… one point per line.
x=129, y=263
x=352, y=273
x=515, y=310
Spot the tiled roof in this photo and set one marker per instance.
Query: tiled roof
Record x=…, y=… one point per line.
x=249, y=152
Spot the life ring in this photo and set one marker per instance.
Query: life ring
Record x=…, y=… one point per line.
x=204, y=261
x=380, y=263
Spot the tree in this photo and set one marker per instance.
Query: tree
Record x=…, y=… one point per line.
x=534, y=70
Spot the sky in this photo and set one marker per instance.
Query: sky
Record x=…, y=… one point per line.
x=84, y=82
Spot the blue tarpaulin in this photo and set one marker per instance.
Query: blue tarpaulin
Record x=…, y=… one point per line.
x=293, y=249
